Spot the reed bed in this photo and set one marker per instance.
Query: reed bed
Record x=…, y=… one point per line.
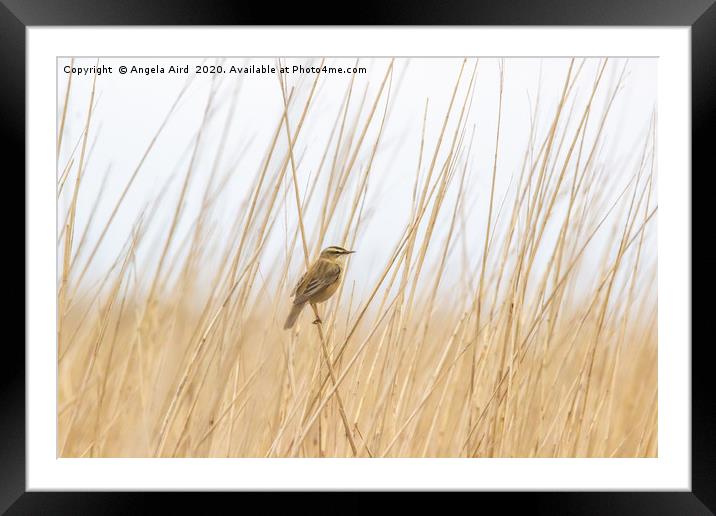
x=515, y=321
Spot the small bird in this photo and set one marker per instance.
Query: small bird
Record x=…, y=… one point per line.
x=319, y=283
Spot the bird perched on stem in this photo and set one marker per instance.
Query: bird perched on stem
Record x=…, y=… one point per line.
x=319, y=283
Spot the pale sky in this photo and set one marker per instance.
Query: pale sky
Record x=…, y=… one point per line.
x=131, y=107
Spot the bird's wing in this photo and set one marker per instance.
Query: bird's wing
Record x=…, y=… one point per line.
x=298, y=284
x=320, y=276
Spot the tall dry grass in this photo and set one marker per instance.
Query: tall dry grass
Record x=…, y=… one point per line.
x=538, y=339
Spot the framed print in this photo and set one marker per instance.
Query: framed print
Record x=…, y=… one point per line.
x=448, y=256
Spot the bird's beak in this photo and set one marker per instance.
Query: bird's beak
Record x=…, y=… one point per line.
x=349, y=252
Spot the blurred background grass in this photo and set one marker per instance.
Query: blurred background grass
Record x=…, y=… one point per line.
x=502, y=301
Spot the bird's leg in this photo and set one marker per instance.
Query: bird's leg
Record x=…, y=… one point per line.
x=315, y=311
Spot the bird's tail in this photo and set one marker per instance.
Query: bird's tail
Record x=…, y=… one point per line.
x=293, y=315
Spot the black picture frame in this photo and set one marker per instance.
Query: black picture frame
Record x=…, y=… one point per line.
x=700, y=15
